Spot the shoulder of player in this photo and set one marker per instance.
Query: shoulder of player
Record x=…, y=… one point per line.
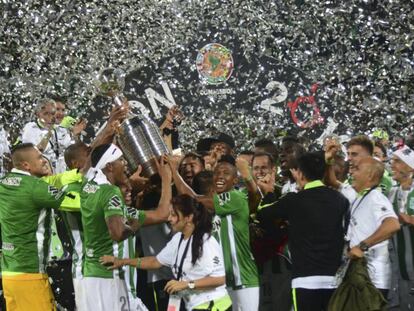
x=377, y=197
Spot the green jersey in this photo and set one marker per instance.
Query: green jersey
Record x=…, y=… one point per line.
x=99, y=202
x=25, y=217
x=233, y=210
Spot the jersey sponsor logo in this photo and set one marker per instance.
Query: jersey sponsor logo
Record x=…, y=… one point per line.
x=11, y=181
x=115, y=203
x=89, y=188
x=6, y=246
x=216, y=260
x=224, y=198
x=55, y=192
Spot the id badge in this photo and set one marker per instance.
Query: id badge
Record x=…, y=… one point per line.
x=174, y=303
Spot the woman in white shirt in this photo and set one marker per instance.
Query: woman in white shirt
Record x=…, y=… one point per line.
x=193, y=255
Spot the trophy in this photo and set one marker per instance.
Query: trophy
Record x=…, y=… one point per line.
x=139, y=138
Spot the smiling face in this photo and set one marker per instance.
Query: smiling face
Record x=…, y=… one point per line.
x=225, y=177
x=60, y=112
x=118, y=170
x=190, y=167
x=261, y=166
x=126, y=191
x=46, y=114
x=400, y=169
x=36, y=164
x=355, y=154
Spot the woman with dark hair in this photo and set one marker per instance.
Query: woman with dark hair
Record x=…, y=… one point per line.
x=194, y=257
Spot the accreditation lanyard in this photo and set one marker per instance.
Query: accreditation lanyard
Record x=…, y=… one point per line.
x=180, y=268
x=360, y=201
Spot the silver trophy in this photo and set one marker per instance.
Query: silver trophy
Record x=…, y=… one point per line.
x=139, y=137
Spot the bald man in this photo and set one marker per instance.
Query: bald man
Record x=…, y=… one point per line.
x=25, y=217
x=373, y=221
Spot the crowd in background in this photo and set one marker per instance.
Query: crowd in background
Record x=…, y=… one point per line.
x=285, y=225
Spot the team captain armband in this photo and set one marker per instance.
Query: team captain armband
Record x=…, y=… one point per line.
x=133, y=213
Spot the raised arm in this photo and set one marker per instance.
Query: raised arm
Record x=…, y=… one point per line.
x=184, y=188
x=160, y=214
x=254, y=195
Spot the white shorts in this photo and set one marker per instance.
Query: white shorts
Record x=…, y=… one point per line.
x=103, y=295
x=246, y=299
x=78, y=291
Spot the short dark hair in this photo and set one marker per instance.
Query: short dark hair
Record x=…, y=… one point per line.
x=227, y=159
x=363, y=141
x=193, y=155
x=203, y=182
x=17, y=153
x=268, y=146
x=72, y=152
x=382, y=147
x=97, y=153
x=246, y=152
x=312, y=165
x=290, y=139
x=264, y=154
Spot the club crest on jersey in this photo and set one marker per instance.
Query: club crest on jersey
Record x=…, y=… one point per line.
x=115, y=202
x=89, y=188
x=11, y=181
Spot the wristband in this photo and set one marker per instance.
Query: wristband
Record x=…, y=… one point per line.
x=139, y=263
x=330, y=162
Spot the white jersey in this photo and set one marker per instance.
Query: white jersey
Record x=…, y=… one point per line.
x=209, y=264
x=55, y=148
x=367, y=214
x=349, y=192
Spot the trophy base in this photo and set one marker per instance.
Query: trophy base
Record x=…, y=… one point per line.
x=149, y=168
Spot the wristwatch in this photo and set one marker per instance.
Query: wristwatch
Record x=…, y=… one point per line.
x=191, y=285
x=363, y=246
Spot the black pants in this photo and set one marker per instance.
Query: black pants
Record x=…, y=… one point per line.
x=312, y=299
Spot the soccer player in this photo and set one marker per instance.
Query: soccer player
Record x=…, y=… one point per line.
x=232, y=207
x=106, y=224
x=25, y=217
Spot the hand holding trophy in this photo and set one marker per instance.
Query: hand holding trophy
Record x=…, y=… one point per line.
x=139, y=137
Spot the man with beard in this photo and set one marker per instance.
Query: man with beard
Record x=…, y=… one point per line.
x=26, y=204
x=191, y=165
